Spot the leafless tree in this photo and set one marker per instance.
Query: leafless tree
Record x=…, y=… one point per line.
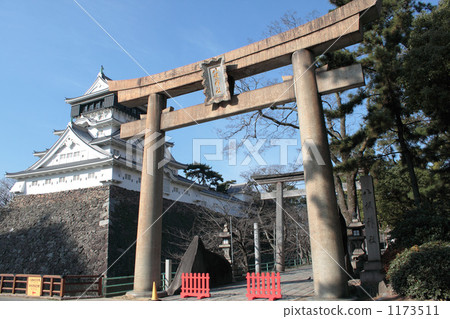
x=208, y=224
x=282, y=122
x=5, y=186
x=296, y=231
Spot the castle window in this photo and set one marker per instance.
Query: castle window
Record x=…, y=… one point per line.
x=128, y=176
x=62, y=179
x=69, y=155
x=91, y=175
x=175, y=190
x=34, y=183
x=76, y=178
x=62, y=156
x=47, y=181
x=76, y=154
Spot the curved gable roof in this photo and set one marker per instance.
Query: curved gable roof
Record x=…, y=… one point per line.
x=72, y=133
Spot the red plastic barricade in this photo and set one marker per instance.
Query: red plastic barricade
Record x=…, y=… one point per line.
x=263, y=285
x=195, y=285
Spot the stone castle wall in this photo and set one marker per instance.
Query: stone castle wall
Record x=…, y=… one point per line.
x=85, y=231
x=57, y=233
x=124, y=207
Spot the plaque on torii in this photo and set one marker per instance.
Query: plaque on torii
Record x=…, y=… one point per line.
x=278, y=195
x=215, y=81
x=299, y=46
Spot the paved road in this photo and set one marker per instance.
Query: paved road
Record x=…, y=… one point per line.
x=295, y=284
x=18, y=298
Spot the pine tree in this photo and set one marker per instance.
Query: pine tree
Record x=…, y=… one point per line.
x=382, y=52
x=203, y=174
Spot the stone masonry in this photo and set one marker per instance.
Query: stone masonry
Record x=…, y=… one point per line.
x=77, y=232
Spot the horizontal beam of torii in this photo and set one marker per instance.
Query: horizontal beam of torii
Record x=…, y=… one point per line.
x=327, y=82
x=335, y=30
x=286, y=194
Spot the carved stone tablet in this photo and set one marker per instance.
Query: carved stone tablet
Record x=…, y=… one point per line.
x=215, y=81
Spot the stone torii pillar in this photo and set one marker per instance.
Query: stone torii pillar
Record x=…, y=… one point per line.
x=257, y=248
x=279, y=229
x=330, y=279
x=148, y=246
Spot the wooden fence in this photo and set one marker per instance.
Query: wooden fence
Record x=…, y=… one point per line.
x=54, y=285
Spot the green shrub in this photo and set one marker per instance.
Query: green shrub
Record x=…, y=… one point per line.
x=422, y=272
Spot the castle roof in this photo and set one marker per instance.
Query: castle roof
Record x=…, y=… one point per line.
x=76, y=136
x=98, y=88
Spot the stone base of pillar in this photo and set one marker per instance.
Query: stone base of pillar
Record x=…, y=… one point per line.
x=317, y=298
x=139, y=294
x=372, y=279
x=373, y=288
x=373, y=266
x=371, y=272
x=145, y=294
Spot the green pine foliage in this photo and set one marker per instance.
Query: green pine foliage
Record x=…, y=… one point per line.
x=203, y=174
x=427, y=66
x=395, y=202
x=427, y=83
x=420, y=226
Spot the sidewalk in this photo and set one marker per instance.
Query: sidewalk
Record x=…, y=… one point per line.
x=296, y=284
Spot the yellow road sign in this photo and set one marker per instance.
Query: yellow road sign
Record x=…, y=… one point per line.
x=34, y=286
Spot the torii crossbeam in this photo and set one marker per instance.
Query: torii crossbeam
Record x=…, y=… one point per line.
x=299, y=46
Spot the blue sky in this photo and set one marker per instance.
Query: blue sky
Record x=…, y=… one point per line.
x=51, y=50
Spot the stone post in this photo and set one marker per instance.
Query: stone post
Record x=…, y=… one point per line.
x=330, y=280
x=257, y=248
x=279, y=227
x=371, y=276
x=148, y=246
x=168, y=273
x=370, y=219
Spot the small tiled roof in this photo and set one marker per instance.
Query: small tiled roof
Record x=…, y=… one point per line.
x=58, y=167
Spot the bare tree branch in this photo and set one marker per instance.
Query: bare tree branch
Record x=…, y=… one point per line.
x=279, y=123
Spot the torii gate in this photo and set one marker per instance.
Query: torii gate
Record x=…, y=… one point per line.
x=278, y=195
x=299, y=46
